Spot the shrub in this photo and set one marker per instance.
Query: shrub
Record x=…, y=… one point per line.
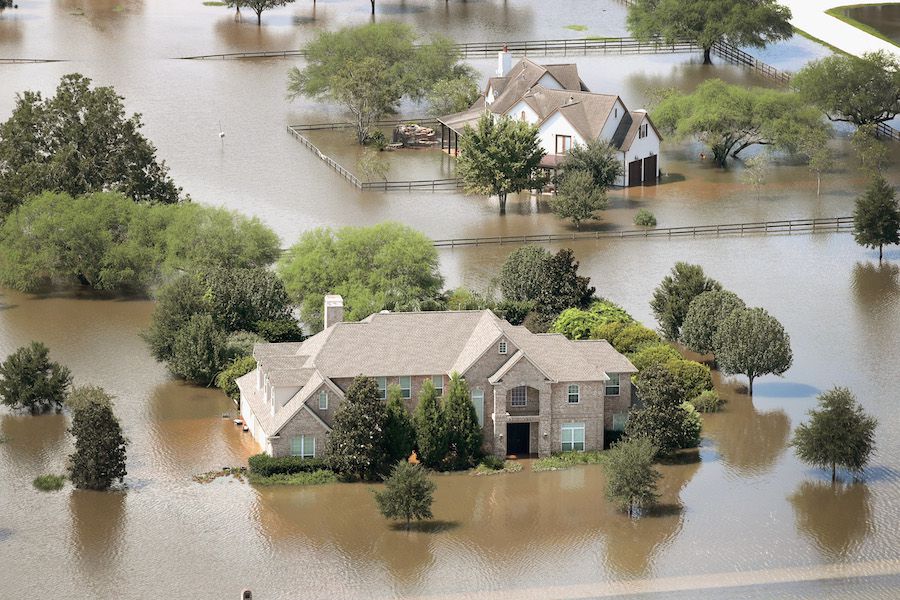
x=492, y=462
x=508, y=466
x=266, y=466
x=633, y=336
x=514, y=311
x=654, y=354
x=691, y=425
x=708, y=401
x=631, y=479
x=237, y=368
x=565, y=460
x=644, y=218
x=240, y=344
x=662, y=416
x=49, y=483
x=693, y=377
x=609, y=312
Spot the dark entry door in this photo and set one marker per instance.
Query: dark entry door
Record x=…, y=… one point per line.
x=517, y=441
x=650, y=170
x=634, y=172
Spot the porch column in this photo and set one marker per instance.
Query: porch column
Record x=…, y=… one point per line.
x=545, y=421
x=499, y=416
x=456, y=144
x=443, y=133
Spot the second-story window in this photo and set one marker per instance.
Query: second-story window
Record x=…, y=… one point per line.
x=563, y=144
x=438, y=381
x=612, y=386
x=323, y=400
x=405, y=388
x=501, y=348
x=574, y=394
x=519, y=396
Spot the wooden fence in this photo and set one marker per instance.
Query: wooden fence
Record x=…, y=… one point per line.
x=786, y=227
x=353, y=179
x=29, y=61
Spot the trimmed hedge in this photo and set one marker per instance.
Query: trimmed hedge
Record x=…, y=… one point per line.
x=266, y=466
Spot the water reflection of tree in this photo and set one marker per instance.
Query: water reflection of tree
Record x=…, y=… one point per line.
x=98, y=520
x=875, y=284
x=837, y=518
x=34, y=442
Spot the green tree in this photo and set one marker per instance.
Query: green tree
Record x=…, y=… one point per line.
x=740, y=23
x=631, y=480
x=372, y=166
x=355, y=448
x=199, y=350
x=29, y=379
x=731, y=118
x=675, y=293
x=236, y=368
x=431, y=433
x=876, y=220
x=388, y=266
x=78, y=141
x=654, y=355
x=453, y=95
x=751, y=342
x=280, y=330
x=499, y=156
x=693, y=377
x=550, y=281
x=370, y=68
x=819, y=157
x=577, y=198
x=838, y=434
x=399, y=431
x=871, y=152
x=463, y=433
x=598, y=158
x=704, y=316
x=662, y=418
x=859, y=90
x=407, y=495
x=756, y=170
x=258, y=6
x=99, y=457
x=633, y=336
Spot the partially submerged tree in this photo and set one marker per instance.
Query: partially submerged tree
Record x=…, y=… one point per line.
x=78, y=141
x=454, y=95
x=399, y=431
x=860, y=90
x=499, y=156
x=756, y=170
x=355, y=447
x=751, y=342
x=704, y=316
x=407, y=495
x=461, y=426
x=871, y=152
x=236, y=368
x=631, y=480
x=372, y=165
x=675, y=293
x=876, y=220
x=99, y=457
x=199, y=350
x=819, y=157
x=742, y=23
x=731, y=118
x=598, y=158
x=30, y=380
x=662, y=417
x=257, y=6
x=838, y=434
x=431, y=433
x=577, y=198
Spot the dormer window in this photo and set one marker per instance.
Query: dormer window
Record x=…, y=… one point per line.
x=501, y=348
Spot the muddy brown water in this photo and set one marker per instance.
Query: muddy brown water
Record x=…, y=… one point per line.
x=885, y=19
x=743, y=504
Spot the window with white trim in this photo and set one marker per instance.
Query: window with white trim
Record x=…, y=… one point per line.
x=501, y=348
x=405, y=387
x=478, y=402
x=438, y=381
x=303, y=446
x=519, y=396
x=574, y=393
x=563, y=144
x=323, y=400
x=382, y=387
x=612, y=386
x=572, y=436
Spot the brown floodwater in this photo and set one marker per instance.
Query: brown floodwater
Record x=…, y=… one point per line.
x=741, y=507
x=884, y=18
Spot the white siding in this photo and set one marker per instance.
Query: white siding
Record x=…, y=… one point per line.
x=516, y=112
x=642, y=148
x=612, y=122
x=557, y=125
x=549, y=82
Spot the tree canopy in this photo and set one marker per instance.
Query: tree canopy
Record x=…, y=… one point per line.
x=598, y=158
x=859, y=90
x=388, y=266
x=672, y=298
x=431, y=430
x=631, y=480
x=741, y=23
x=30, y=380
x=257, y=6
x=730, y=118
x=78, y=141
x=99, y=457
x=356, y=443
x=407, y=495
x=663, y=417
x=461, y=426
x=876, y=219
x=705, y=313
x=751, y=342
x=577, y=198
x=499, y=156
x=399, y=431
x=370, y=68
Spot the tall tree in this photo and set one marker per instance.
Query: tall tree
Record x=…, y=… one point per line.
x=461, y=425
x=673, y=296
x=78, y=141
x=399, y=431
x=751, y=342
x=838, y=434
x=631, y=480
x=871, y=152
x=431, y=433
x=454, y=95
x=819, y=157
x=704, y=316
x=730, y=118
x=199, y=350
x=577, y=198
x=407, y=495
x=662, y=418
x=29, y=379
x=742, y=23
x=860, y=90
x=238, y=367
x=257, y=6
x=598, y=158
x=99, y=457
x=355, y=447
x=499, y=156
x=549, y=281
x=876, y=220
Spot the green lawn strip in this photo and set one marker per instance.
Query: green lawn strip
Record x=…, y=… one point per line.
x=49, y=483
x=214, y=3
x=813, y=38
x=567, y=460
x=319, y=477
x=837, y=13
x=576, y=27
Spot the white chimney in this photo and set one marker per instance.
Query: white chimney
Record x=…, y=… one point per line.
x=334, y=310
x=504, y=62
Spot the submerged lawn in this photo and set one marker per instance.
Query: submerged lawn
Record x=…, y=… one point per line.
x=566, y=460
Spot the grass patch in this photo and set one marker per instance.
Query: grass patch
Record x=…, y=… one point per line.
x=118, y=8
x=600, y=38
x=576, y=27
x=319, y=477
x=236, y=472
x=214, y=3
x=813, y=38
x=49, y=483
x=567, y=460
x=838, y=13
x=490, y=468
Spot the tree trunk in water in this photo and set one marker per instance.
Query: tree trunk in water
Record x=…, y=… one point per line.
x=880, y=252
x=818, y=184
x=751, y=386
x=258, y=18
x=833, y=472
x=373, y=6
x=502, y=197
x=707, y=56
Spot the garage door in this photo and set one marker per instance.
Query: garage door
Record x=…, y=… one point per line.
x=634, y=172
x=650, y=170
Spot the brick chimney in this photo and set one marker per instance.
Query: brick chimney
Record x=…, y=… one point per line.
x=334, y=310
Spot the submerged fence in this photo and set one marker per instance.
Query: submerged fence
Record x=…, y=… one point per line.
x=29, y=61
x=785, y=227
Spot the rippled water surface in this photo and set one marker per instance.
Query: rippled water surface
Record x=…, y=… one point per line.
x=744, y=505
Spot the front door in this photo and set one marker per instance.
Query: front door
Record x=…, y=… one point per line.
x=634, y=172
x=517, y=438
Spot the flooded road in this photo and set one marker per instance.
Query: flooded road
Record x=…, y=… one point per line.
x=885, y=19
x=745, y=504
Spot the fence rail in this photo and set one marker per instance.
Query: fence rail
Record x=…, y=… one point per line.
x=30, y=61
x=737, y=56
x=785, y=227
x=353, y=179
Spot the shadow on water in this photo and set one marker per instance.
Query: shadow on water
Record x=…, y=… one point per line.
x=836, y=518
x=434, y=526
x=874, y=283
x=98, y=520
x=784, y=389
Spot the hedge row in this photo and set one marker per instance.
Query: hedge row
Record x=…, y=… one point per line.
x=265, y=465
